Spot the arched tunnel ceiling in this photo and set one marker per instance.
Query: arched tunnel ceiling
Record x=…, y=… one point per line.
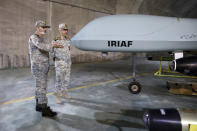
x=176, y=8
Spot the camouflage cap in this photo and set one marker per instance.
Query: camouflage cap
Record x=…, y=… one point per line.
x=41, y=23
x=63, y=26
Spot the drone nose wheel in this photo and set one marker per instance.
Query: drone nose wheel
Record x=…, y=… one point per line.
x=134, y=87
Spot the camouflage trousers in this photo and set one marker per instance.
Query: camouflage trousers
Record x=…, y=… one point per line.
x=40, y=72
x=62, y=75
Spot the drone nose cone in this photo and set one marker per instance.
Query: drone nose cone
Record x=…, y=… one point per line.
x=75, y=41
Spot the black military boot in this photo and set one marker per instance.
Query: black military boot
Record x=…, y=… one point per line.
x=47, y=112
x=38, y=106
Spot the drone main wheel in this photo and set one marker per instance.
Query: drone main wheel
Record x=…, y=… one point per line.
x=134, y=87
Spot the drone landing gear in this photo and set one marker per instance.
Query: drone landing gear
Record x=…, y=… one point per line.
x=134, y=86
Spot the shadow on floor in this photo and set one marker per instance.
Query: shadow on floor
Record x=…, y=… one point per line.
x=118, y=118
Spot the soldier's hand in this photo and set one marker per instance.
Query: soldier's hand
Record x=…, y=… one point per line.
x=56, y=45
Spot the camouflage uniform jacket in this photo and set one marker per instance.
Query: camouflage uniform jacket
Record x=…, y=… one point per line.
x=62, y=54
x=38, y=49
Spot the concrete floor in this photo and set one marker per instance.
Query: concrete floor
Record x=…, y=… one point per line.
x=100, y=100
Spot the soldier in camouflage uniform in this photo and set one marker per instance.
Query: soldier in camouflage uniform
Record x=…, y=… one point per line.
x=62, y=64
x=39, y=56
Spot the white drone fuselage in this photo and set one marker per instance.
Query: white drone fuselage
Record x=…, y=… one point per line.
x=137, y=33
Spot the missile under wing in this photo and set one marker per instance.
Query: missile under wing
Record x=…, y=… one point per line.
x=138, y=33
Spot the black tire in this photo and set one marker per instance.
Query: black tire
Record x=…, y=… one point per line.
x=134, y=87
